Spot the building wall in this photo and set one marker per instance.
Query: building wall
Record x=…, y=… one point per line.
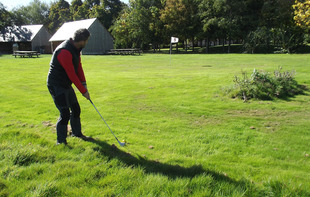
x=7, y=47
x=41, y=43
x=24, y=46
x=54, y=45
x=100, y=41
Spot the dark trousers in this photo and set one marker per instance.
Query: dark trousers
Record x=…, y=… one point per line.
x=69, y=108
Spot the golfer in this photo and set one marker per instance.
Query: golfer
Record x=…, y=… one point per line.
x=65, y=69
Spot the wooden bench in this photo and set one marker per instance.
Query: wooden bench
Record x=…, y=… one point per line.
x=125, y=51
x=26, y=53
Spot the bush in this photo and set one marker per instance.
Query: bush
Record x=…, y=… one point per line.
x=265, y=86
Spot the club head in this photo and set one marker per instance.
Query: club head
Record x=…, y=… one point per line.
x=121, y=143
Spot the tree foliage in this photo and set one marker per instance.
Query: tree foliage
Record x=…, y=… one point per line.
x=181, y=18
x=121, y=31
x=36, y=12
x=139, y=25
x=61, y=11
x=59, y=14
x=79, y=10
x=6, y=18
x=302, y=13
x=261, y=26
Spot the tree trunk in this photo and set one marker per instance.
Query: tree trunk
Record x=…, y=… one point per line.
x=229, y=43
x=207, y=45
x=193, y=47
x=186, y=45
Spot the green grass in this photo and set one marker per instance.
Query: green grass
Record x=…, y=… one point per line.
x=204, y=143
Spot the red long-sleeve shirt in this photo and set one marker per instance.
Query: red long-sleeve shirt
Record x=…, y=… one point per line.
x=78, y=79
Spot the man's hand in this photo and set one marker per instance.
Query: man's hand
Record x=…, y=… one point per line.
x=86, y=95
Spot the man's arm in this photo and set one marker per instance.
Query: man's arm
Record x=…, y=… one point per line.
x=80, y=73
x=65, y=59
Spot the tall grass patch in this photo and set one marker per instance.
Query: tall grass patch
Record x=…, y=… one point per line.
x=263, y=85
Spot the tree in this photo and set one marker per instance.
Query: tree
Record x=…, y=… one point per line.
x=278, y=17
x=92, y=3
x=156, y=27
x=100, y=12
x=302, y=13
x=209, y=25
x=139, y=20
x=34, y=13
x=141, y=24
x=181, y=18
x=121, y=31
x=173, y=18
x=229, y=16
x=114, y=7
x=6, y=18
x=78, y=10
x=105, y=10
x=222, y=19
x=59, y=14
x=75, y=4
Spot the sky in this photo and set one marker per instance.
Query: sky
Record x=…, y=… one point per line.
x=10, y=4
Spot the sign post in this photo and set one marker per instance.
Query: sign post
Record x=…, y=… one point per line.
x=174, y=40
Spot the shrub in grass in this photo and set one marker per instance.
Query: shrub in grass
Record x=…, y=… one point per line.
x=263, y=85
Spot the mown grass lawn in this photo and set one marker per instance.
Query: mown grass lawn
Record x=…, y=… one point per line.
x=184, y=137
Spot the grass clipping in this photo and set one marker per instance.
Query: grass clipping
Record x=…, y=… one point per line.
x=262, y=85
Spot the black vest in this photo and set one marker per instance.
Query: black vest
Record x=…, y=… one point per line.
x=57, y=74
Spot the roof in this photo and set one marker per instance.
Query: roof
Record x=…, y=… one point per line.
x=24, y=33
x=67, y=29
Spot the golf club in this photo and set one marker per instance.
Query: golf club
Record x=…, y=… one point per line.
x=120, y=143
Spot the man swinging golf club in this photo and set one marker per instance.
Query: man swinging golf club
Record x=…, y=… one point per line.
x=65, y=69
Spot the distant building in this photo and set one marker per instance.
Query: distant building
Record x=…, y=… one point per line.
x=25, y=38
x=100, y=41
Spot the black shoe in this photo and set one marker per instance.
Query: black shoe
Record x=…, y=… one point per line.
x=64, y=142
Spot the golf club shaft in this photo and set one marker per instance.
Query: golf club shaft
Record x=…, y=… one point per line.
x=105, y=121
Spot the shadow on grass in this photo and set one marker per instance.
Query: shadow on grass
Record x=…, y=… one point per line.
x=176, y=171
x=150, y=166
x=156, y=167
x=301, y=90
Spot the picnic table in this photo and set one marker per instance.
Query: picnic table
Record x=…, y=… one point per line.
x=26, y=53
x=125, y=51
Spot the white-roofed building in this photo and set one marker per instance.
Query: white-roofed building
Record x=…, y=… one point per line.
x=100, y=41
x=27, y=37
